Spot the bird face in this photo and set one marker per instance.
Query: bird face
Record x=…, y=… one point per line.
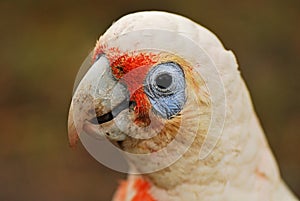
x=136, y=99
x=147, y=95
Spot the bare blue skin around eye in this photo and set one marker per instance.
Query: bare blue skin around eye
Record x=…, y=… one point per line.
x=170, y=102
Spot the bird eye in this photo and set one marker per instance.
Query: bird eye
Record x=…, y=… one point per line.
x=165, y=88
x=163, y=81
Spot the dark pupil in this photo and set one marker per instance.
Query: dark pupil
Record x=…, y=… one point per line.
x=163, y=81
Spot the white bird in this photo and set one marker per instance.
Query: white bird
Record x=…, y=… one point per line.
x=177, y=84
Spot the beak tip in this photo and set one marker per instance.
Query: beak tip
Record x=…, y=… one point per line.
x=72, y=132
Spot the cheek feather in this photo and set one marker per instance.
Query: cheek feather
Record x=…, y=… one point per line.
x=131, y=70
x=142, y=107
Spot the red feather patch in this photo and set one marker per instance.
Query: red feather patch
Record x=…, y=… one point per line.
x=142, y=191
x=131, y=69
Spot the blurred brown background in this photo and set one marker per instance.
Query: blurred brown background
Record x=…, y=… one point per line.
x=43, y=43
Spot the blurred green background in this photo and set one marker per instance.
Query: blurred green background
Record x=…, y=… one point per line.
x=43, y=44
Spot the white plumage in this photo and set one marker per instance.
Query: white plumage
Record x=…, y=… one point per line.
x=241, y=165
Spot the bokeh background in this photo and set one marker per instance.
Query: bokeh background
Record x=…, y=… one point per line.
x=43, y=43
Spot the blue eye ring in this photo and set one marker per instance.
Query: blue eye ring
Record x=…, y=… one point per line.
x=170, y=69
x=165, y=88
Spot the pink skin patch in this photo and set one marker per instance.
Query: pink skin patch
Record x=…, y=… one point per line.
x=138, y=64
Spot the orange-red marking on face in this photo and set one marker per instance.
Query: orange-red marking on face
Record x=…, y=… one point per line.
x=131, y=69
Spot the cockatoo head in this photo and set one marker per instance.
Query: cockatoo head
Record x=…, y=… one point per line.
x=152, y=88
x=164, y=92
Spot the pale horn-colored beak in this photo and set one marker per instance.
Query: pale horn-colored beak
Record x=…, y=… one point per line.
x=93, y=104
x=72, y=133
